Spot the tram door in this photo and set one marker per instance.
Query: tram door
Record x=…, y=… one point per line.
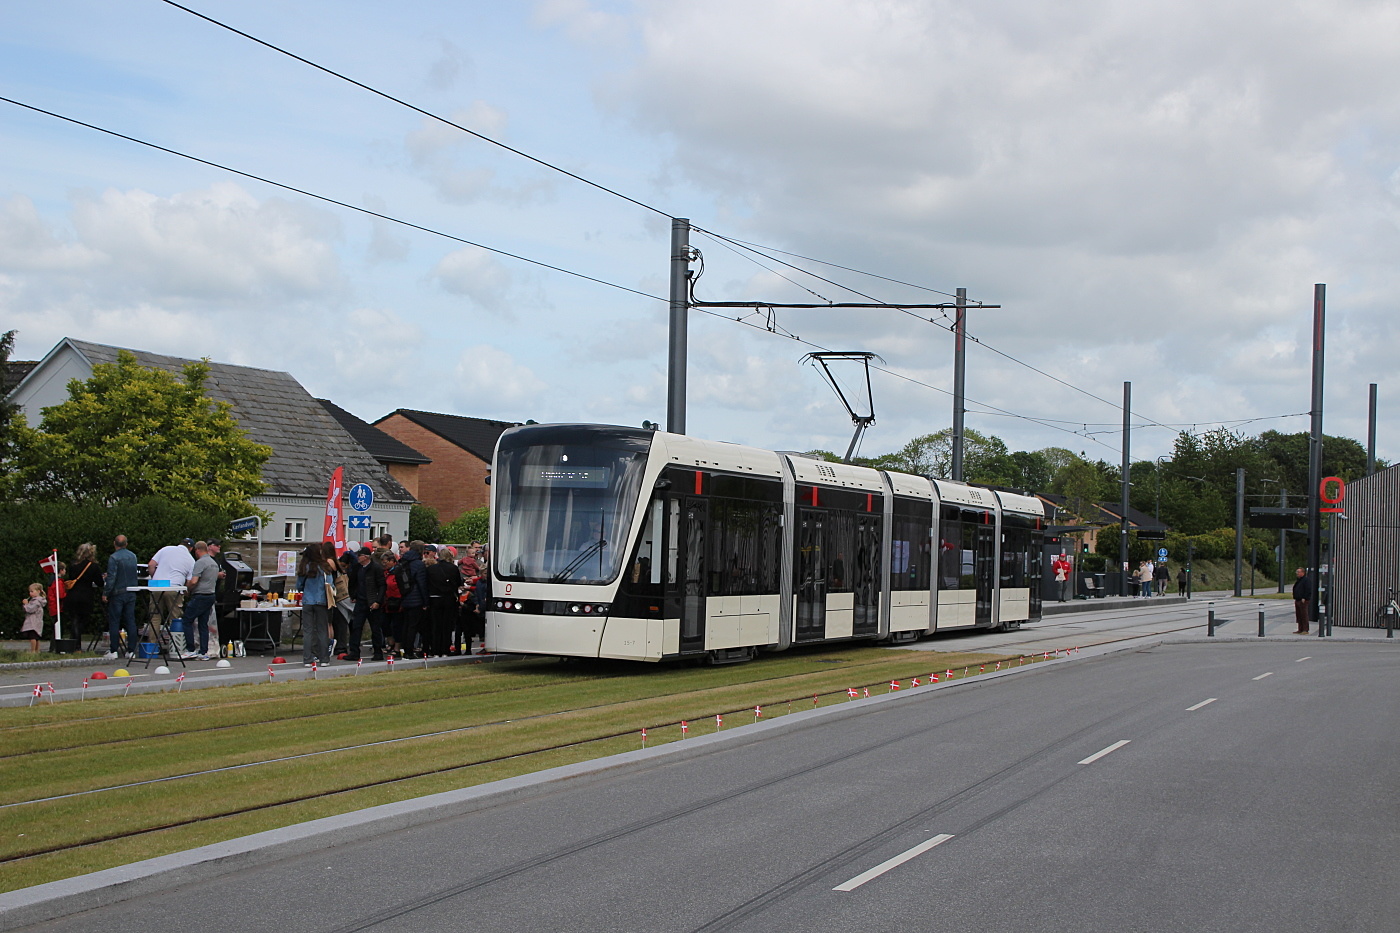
x=690, y=534
x=809, y=569
x=986, y=568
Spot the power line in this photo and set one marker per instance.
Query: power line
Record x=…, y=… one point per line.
x=328, y=200
x=403, y=103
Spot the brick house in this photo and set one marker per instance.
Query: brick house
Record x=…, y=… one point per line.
x=401, y=460
x=459, y=450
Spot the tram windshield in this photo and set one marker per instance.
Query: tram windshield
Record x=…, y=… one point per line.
x=563, y=510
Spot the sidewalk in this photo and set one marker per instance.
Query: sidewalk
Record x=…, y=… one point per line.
x=17, y=682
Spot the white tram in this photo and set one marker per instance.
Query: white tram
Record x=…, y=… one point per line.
x=612, y=542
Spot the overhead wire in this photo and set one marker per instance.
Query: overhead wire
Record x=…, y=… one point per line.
x=329, y=200
x=403, y=103
x=612, y=191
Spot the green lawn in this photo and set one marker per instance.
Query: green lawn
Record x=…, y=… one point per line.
x=443, y=729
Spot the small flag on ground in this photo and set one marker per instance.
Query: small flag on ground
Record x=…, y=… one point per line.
x=644, y=736
x=949, y=675
x=933, y=678
x=915, y=683
x=814, y=699
x=180, y=682
x=894, y=685
x=719, y=722
x=358, y=662
x=851, y=692
x=684, y=728
x=757, y=712
x=998, y=665
x=85, y=682
x=270, y=673
x=867, y=692
x=37, y=691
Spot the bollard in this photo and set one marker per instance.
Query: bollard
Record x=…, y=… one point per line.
x=1390, y=622
x=1261, y=620
x=1210, y=620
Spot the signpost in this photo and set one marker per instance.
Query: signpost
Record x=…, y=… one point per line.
x=241, y=526
x=358, y=521
x=361, y=498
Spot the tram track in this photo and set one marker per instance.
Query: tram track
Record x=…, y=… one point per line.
x=361, y=786
x=358, y=710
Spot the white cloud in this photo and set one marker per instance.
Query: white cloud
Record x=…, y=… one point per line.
x=478, y=275
x=490, y=382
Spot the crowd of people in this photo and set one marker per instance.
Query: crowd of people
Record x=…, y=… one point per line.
x=417, y=600
x=420, y=600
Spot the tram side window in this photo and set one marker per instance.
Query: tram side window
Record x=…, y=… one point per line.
x=648, y=560
x=910, y=547
x=841, y=546
x=744, y=547
x=957, y=548
x=1013, y=558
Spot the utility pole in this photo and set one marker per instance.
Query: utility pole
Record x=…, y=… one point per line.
x=959, y=382
x=1239, y=527
x=1371, y=434
x=1127, y=462
x=680, y=308
x=1282, y=540
x=1315, y=450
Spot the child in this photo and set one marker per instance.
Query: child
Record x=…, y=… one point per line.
x=57, y=591
x=33, y=627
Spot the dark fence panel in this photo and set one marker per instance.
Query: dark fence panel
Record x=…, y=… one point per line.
x=1366, y=550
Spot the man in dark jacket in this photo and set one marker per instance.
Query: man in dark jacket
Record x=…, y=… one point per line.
x=367, y=588
x=121, y=605
x=413, y=585
x=1302, y=600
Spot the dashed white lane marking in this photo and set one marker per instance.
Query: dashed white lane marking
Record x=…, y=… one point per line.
x=1192, y=709
x=1300, y=660
x=1099, y=754
x=895, y=862
x=1262, y=676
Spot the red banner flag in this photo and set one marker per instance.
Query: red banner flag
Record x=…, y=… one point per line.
x=49, y=564
x=334, y=528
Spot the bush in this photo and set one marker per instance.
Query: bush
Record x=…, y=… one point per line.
x=471, y=526
x=423, y=523
x=34, y=529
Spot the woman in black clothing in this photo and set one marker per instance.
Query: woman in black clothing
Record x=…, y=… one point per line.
x=84, y=584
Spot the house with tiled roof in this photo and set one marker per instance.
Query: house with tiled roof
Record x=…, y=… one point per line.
x=401, y=460
x=307, y=442
x=461, y=449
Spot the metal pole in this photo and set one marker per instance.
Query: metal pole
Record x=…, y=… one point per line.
x=1239, y=528
x=1261, y=620
x=1315, y=448
x=1190, y=556
x=959, y=382
x=680, y=307
x=1371, y=434
x=1253, y=565
x=1210, y=619
x=1127, y=455
x=1282, y=539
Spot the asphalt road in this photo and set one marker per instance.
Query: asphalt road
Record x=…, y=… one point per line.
x=1202, y=787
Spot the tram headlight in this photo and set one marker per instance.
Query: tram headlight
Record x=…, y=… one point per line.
x=574, y=608
x=587, y=608
x=519, y=606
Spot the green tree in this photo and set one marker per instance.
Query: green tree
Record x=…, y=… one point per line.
x=132, y=431
x=8, y=409
x=423, y=523
x=932, y=454
x=470, y=526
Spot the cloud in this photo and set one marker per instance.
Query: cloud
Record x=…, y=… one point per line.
x=490, y=382
x=455, y=163
x=478, y=275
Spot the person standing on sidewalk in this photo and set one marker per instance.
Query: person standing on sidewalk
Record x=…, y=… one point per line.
x=121, y=605
x=1302, y=600
x=203, y=583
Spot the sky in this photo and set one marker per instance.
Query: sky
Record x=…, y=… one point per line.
x=1148, y=190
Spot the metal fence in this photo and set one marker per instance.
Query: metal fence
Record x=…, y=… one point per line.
x=1365, y=554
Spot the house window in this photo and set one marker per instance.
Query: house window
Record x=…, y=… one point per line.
x=294, y=530
x=378, y=530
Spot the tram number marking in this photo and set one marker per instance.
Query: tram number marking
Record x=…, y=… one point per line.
x=507, y=589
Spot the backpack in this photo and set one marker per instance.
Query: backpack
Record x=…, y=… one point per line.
x=405, y=578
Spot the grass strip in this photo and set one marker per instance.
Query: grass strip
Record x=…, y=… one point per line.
x=556, y=714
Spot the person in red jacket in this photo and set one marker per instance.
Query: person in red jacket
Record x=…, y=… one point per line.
x=1061, y=569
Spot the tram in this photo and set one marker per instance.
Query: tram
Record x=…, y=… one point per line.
x=614, y=542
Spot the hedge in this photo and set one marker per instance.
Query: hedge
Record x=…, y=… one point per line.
x=34, y=529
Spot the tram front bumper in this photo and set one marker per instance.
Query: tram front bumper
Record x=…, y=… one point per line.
x=527, y=633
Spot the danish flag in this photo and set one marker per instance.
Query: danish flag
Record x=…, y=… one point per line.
x=851, y=692
x=894, y=685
